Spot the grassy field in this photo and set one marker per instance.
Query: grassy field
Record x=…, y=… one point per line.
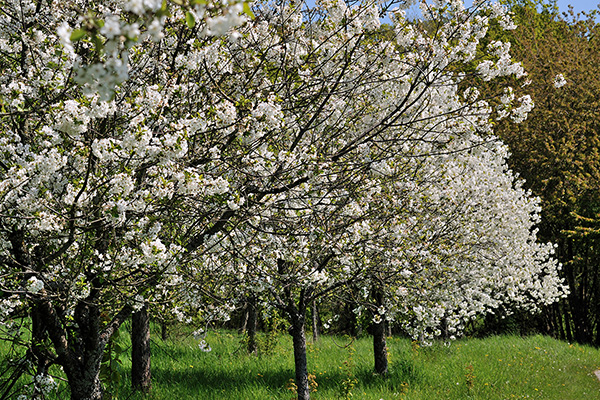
x=504, y=367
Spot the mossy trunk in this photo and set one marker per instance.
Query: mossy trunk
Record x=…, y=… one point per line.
x=80, y=352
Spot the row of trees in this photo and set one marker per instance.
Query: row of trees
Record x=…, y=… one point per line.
x=156, y=159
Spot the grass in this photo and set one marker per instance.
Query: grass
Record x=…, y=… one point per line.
x=501, y=367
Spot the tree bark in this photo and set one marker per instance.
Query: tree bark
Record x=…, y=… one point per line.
x=252, y=324
x=568, y=329
x=38, y=334
x=85, y=383
x=558, y=321
x=299, y=340
x=380, y=348
x=379, y=342
x=164, y=333
x=80, y=355
x=141, y=378
x=296, y=311
x=315, y=322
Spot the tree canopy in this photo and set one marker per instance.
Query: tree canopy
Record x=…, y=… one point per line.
x=175, y=153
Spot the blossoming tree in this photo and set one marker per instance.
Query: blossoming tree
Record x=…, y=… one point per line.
x=373, y=142
x=147, y=159
x=91, y=157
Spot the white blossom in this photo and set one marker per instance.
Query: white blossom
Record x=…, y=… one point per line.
x=34, y=285
x=559, y=81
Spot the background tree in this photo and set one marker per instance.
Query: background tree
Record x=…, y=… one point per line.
x=556, y=151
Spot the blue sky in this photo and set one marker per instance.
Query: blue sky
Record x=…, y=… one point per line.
x=563, y=6
x=578, y=5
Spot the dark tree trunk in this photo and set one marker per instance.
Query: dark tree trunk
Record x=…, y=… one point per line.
x=80, y=354
x=299, y=340
x=567, y=314
x=164, y=332
x=558, y=320
x=140, y=351
x=379, y=343
x=252, y=324
x=315, y=322
x=37, y=353
x=380, y=348
x=85, y=383
x=38, y=335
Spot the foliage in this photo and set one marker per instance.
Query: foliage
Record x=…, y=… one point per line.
x=111, y=370
x=556, y=150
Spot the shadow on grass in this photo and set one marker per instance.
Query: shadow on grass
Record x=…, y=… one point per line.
x=400, y=373
x=228, y=384
x=209, y=380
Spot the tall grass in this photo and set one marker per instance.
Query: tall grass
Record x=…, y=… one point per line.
x=502, y=367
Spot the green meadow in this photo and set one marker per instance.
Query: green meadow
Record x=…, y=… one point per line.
x=498, y=367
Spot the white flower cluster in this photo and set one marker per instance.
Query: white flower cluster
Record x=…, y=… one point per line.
x=503, y=66
x=559, y=81
x=34, y=285
x=45, y=383
x=7, y=306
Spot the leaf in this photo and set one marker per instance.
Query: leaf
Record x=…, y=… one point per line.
x=97, y=43
x=77, y=34
x=164, y=10
x=190, y=20
x=248, y=10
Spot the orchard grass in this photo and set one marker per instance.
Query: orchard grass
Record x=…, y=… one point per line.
x=497, y=367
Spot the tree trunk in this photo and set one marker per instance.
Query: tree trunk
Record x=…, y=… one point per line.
x=299, y=339
x=38, y=334
x=252, y=314
x=315, y=322
x=244, y=319
x=140, y=351
x=568, y=317
x=296, y=310
x=80, y=354
x=164, y=333
x=379, y=343
x=558, y=320
x=380, y=348
x=85, y=383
